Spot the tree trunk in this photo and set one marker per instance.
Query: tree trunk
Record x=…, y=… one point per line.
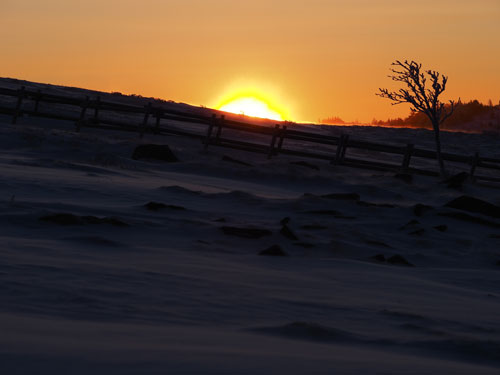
x=438, y=149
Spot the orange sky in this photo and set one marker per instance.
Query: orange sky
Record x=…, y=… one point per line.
x=316, y=58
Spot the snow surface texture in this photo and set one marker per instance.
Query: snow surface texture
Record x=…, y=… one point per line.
x=94, y=280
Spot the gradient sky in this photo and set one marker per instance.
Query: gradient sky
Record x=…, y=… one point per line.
x=316, y=58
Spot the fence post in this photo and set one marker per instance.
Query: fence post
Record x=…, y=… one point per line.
x=407, y=157
x=96, y=109
x=282, y=138
x=210, y=129
x=158, y=115
x=273, y=141
x=18, y=112
x=344, y=148
x=341, y=149
x=475, y=160
x=219, y=128
x=145, y=120
x=38, y=97
x=81, y=120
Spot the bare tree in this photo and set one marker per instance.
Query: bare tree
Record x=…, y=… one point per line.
x=422, y=98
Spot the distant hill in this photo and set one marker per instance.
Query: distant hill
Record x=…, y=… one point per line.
x=131, y=99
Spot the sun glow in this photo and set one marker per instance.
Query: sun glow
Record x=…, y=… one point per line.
x=251, y=106
x=254, y=98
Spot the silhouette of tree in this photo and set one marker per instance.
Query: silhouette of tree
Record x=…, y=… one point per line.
x=422, y=98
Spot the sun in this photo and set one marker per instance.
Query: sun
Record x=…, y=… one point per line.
x=251, y=106
x=255, y=99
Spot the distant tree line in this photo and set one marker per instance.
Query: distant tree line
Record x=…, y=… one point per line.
x=334, y=120
x=471, y=116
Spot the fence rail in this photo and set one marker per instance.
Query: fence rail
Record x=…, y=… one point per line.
x=212, y=130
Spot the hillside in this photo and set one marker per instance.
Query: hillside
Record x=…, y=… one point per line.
x=228, y=262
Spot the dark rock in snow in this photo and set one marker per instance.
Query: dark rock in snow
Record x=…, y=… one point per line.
x=285, y=221
x=345, y=217
x=274, y=250
x=104, y=220
x=96, y=241
x=305, y=245
x=235, y=161
x=498, y=263
x=377, y=243
x=314, y=227
x=246, y=232
x=309, y=331
x=470, y=218
x=471, y=204
x=456, y=181
x=324, y=212
x=309, y=195
x=70, y=219
x=419, y=209
x=62, y=219
x=155, y=152
x=409, y=224
x=334, y=213
x=406, y=177
x=305, y=164
x=342, y=196
x=156, y=206
x=370, y=204
x=220, y=220
x=418, y=232
x=378, y=258
x=441, y=228
x=287, y=232
x=174, y=207
x=398, y=260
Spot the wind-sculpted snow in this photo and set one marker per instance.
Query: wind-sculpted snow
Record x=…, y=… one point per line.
x=439, y=344
x=117, y=266
x=61, y=164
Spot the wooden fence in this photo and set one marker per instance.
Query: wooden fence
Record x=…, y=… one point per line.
x=216, y=131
